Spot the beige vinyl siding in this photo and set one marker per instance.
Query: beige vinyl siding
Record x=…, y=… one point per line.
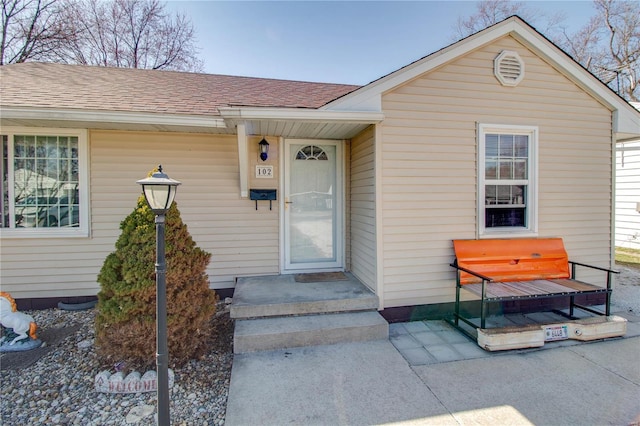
x=628, y=195
x=362, y=208
x=242, y=241
x=36, y=267
x=429, y=155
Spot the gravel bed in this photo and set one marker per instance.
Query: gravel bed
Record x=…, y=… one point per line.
x=59, y=387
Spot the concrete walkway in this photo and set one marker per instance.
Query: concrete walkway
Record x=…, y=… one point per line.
x=432, y=342
x=369, y=383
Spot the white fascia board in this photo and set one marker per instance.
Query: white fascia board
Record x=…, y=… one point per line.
x=636, y=123
x=297, y=114
x=626, y=125
x=110, y=117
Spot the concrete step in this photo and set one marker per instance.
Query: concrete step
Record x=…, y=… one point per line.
x=273, y=296
x=294, y=331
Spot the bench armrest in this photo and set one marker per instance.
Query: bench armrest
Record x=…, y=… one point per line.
x=469, y=271
x=594, y=267
x=607, y=270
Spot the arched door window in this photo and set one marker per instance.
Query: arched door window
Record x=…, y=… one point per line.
x=311, y=152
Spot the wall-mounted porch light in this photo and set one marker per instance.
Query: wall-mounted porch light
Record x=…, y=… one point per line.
x=264, y=149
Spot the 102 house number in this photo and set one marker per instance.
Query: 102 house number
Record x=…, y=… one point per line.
x=264, y=172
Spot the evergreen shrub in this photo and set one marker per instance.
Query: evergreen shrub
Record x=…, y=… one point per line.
x=126, y=309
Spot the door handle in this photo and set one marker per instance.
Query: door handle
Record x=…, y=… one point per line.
x=287, y=202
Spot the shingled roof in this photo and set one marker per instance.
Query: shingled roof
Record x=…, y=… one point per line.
x=58, y=86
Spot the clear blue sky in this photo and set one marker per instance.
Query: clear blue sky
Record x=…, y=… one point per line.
x=353, y=42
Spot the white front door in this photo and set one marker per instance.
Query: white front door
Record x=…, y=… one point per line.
x=312, y=205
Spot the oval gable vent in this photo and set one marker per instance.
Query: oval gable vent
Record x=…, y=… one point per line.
x=508, y=68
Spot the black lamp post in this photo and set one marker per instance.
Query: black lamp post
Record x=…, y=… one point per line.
x=159, y=191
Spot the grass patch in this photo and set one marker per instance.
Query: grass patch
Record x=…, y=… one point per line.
x=627, y=256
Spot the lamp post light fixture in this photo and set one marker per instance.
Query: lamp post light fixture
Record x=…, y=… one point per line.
x=159, y=191
x=264, y=149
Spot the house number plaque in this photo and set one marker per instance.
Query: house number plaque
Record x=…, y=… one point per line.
x=264, y=172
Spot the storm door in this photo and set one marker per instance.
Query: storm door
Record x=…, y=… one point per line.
x=313, y=206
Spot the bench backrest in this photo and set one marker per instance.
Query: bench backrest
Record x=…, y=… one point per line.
x=512, y=260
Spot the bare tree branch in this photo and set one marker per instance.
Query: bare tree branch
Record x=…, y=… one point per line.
x=133, y=34
x=619, y=65
x=608, y=45
x=32, y=30
x=490, y=12
x=117, y=33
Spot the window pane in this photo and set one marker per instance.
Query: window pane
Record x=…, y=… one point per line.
x=519, y=195
x=73, y=170
x=41, y=147
x=41, y=166
x=504, y=194
x=52, y=151
x=506, y=145
x=521, y=144
x=52, y=167
x=520, y=169
x=25, y=146
x=491, y=171
x=505, y=170
x=490, y=195
x=491, y=145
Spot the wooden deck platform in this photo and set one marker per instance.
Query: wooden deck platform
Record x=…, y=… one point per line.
x=535, y=288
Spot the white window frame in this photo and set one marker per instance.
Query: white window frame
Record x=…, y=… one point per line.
x=83, y=177
x=531, y=202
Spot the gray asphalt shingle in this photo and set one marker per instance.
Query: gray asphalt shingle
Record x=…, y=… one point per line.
x=47, y=85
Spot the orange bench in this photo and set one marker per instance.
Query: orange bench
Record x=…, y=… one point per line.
x=497, y=270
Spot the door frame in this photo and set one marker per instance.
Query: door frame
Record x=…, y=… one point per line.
x=339, y=264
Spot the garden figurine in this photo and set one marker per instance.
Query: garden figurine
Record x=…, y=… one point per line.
x=21, y=324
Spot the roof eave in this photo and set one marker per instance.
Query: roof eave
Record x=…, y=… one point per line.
x=300, y=114
x=300, y=122
x=106, y=119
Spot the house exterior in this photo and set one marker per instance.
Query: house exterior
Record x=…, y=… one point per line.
x=628, y=192
x=498, y=135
